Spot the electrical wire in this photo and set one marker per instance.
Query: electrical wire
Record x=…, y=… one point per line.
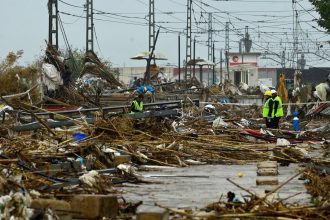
x=75, y=6
x=65, y=38
x=120, y=21
x=173, y=26
x=239, y=19
x=97, y=41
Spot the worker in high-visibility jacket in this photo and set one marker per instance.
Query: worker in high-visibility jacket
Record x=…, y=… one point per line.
x=137, y=104
x=266, y=114
x=277, y=109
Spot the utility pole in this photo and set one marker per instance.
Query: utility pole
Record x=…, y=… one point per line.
x=220, y=66
x=194, y=57
x=209, y=38
x=188, y=40
x=209, y=46
x=89, y=26
x=53, y=23
x=151, y=24
x=179, y=57
x=213, y=69
x=283, y=60
x=227, y=63
x=227, y=48
x=295, y=35
x=147, y=73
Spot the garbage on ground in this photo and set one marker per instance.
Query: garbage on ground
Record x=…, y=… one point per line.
x=93, y=151
x=282, y=142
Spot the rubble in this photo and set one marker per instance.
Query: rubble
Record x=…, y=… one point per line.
x=72, y=163
x=109, y=144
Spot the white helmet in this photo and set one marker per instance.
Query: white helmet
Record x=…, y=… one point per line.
x=316, y=95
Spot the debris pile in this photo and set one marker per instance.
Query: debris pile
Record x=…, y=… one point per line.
x=80, y=156
x=95, y=70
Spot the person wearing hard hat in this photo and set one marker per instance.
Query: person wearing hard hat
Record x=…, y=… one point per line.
x=322, y=91
x=137, y=104
x=148, y=91
x=277, y=110
x=316, y=96
x=266, y=114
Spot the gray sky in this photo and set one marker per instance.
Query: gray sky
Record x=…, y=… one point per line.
x=123, y=31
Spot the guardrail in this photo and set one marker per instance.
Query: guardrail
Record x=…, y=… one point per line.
x=53, y=124
x=160, y=107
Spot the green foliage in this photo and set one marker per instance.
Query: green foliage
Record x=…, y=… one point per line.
x=323, y=8
x=75, y=61
x=16, y=79
x=10, y=60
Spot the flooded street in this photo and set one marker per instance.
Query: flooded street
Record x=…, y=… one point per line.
x=198, y=186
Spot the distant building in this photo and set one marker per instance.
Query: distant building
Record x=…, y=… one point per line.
x=128, y=74
x=313, y=75
x=267, y=76
x=243, y=67
x=203, y=74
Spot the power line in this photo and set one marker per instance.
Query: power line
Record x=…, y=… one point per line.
x=75, y=6
x=120, y=21
x=97, y=42
x=270, y=27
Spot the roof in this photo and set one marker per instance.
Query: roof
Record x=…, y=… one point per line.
x=251, y=53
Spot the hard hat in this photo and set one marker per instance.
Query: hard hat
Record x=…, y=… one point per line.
x=209, y=106
x=268, y=93
x=273, y=91
x=316, y=95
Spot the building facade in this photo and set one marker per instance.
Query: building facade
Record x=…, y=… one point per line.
x=243, y=67
x=239, y=71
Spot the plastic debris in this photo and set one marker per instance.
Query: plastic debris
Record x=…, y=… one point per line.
x=219, y=123
x=282, y=142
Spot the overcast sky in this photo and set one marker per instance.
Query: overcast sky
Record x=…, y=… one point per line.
x=123, y=31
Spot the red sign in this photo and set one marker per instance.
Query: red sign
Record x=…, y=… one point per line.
x=235, y=59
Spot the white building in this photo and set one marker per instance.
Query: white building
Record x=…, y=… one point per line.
x=129, y=74
x=243, y=67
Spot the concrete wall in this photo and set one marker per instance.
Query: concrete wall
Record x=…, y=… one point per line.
x=250, y=99
x=127, y=74
x=270, y=73
x=250, y=70
x=312, y=75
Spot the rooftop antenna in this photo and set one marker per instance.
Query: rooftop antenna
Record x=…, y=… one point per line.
x=247, y=40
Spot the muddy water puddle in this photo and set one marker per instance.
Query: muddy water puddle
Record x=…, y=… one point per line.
x=197, y=186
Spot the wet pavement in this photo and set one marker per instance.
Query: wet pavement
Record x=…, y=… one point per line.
x=197, y=186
